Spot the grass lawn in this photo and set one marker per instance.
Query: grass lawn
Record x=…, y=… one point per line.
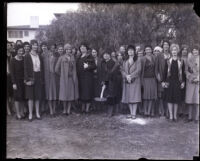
x=96, y=136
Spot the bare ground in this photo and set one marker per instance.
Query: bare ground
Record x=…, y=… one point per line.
x=95, y=136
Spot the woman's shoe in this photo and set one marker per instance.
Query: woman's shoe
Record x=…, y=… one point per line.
x=38, y=118
x=152, y=116
x=87, y=111
x=30, y=120
x=148, y=116
x=24, y=116
x=145, y=115
x=180, y=115
x=110, y=115
x=133, y=117
x=18, y=118
x=175, y=120
x=128, y=116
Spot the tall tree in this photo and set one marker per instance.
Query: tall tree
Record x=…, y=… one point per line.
x=108, y=26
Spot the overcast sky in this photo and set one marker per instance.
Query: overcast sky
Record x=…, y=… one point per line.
x=19, y=13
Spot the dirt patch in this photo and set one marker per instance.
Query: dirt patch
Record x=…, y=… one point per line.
x=95, y=136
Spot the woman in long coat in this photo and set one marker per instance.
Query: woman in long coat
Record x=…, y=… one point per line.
x=17, y=75
x=9, y=80
x=109, y=75
x=173, y=82
x=97, y=83
x=34, y=79
x=85, y=68
x=140, y=56
x=183, y=110
x=46, y=57
x=66, y=68
x=131, y=74
x=119, y=82
x=60, y=50
x=192, y=83
x=160, y=65
x=158, y=51
x=53, y=94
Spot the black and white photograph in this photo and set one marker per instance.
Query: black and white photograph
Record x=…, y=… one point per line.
x=102, y=81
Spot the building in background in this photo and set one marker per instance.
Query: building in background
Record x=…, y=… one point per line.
x=25, y=32
x=58, y=15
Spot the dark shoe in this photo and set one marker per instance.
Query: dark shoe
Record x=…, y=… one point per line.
x=30, y=120
x=180, y=115
x=148, y=116
x=128, y=116
x=196, y=121
x=175, y=120
x=38, y=118
x=170, y=120
x=152, y=116
x=18, y=118
x=110, y=114
x=24, y=116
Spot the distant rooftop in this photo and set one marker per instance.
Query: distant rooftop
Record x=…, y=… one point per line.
x=57, y=15
x=26, y=27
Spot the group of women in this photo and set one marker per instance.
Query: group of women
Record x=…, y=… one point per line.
x=147, y=80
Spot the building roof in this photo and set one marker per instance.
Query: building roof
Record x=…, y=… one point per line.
x=57, y=15
x=25, y=27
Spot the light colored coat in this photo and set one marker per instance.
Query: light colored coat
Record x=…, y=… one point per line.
x=132, y=91
x=68, y=90
x=192, y=88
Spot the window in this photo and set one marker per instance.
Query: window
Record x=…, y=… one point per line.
x=20, y=34
x=26, y=33
x=10, y=34
x=15, y=34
